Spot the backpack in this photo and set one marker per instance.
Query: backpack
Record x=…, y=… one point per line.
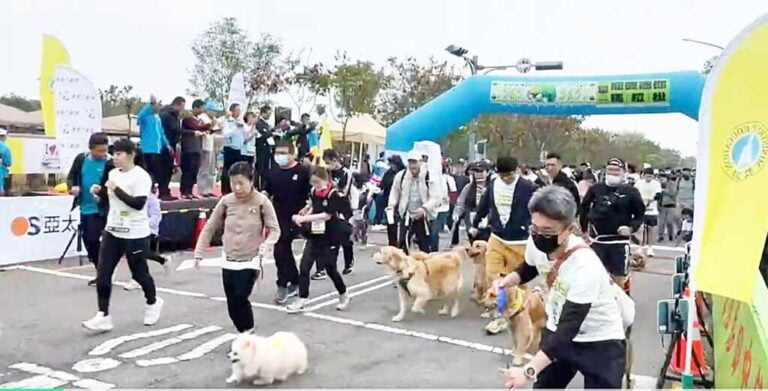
x=603, y=206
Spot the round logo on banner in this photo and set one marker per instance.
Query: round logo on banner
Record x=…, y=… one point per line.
x=746, y=151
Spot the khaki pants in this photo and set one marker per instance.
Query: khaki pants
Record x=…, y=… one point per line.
x=206, y=175
x=503, y=258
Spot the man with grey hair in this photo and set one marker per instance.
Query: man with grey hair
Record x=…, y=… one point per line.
x=584, y=331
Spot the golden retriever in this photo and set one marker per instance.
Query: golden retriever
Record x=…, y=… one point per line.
x=526, y=317
x=436, y=276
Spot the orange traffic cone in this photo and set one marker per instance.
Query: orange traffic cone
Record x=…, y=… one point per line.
x=201, y=220
x=677, y=364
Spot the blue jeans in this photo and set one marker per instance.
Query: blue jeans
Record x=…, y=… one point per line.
x=436, y=226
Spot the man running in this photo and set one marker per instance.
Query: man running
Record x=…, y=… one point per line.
x=610, y=212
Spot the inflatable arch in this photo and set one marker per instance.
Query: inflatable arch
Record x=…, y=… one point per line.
x=674, y=92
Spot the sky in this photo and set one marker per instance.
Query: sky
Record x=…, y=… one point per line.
x=147, y=43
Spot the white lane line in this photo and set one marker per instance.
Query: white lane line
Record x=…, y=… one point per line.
x=641, y=382
x=352, y=294
x=349, y=288
x=38, y=382
x=197, y=352
x=107, y=346
x=36, y=369
x=99, y=364
x=169, y=342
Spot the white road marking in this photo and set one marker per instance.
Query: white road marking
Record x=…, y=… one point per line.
x=38, y=381
x=169, y=342
x=95, y=364
x=36, y=369
x=349, y=288
x=93, y=385
x=640, y=382
x=197, y=352
x=107, y=346
x=351, y=294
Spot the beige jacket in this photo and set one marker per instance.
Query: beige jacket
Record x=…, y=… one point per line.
x=244, y=231
x=401, y=189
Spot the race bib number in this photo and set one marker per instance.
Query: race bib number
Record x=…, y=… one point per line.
x=119, y=223
x=557, y=300
x=358, y=214
x=318, y=227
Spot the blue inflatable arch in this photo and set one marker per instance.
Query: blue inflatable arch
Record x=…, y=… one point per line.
x=675, y=92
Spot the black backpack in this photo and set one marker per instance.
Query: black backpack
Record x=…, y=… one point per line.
x=602, y=206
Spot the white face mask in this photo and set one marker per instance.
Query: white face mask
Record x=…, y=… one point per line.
x=614, y=180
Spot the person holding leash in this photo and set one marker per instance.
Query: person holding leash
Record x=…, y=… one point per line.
x=250, y=230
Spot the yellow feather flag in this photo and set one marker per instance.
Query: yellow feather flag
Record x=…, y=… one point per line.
x=326, y=139
x=731, y=212
x=54, y=53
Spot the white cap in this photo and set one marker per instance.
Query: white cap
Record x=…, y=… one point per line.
x=3, y=132
x=414, y=155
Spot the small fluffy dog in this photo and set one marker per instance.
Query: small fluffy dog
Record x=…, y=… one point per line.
x=262, y=360
x=526, y=317
x=431, y=276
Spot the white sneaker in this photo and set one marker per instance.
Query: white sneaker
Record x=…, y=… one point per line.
x=152, y=312
x=100, y=322
x=343, y=302
x=131, y=285
x=297, y=306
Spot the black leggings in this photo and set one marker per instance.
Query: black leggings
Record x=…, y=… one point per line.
x=601, y=363
x=238, y=285
x=112, y=249
x=91, y=226
x=325, y=253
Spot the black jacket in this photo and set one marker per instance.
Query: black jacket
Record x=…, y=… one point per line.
x=301, y=131
x=608, y=208
x=562, y=180
x=75, y=178
x=169, y=117
x=519, y=215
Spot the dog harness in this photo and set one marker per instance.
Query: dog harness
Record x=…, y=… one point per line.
x=514, y=301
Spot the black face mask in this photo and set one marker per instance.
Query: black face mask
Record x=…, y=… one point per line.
x=545, y=244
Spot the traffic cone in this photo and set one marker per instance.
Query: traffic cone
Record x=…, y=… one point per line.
x=677, y=364
x=201, y=220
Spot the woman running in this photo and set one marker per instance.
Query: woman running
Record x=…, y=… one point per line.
x=127, y=234
x=250, y=230
x=328, y=228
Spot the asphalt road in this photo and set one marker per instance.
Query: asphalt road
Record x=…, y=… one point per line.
x=42, y=343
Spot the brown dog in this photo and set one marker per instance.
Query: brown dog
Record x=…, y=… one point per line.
x=419, y=281
x=481, y=281
x=526, y=317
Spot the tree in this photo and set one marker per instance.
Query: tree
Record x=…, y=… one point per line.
x=355, y=86
x=20, y=102
x=223, y=50
x=409, y=84
x=119, y=100
x=306, y=81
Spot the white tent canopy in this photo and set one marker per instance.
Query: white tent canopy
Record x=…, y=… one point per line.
x=362, y=129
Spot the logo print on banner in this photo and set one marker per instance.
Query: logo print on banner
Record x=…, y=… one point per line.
x=31, y=226
x=51, y=159
x=746, y=151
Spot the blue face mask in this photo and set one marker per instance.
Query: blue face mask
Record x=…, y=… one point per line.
x=282, y=160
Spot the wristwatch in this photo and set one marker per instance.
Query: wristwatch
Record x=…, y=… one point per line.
x=530, y=372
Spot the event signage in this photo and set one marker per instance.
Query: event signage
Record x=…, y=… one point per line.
x=602, y=93
x=740, y=361
x=78, y=114
x=36, y=228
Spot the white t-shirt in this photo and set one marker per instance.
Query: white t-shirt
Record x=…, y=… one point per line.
x=648, y=191
x=449, y=185
x=503, y=195
x=582, y=279
x=123, y=221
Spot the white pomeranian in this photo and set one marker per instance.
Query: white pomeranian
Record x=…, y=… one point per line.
x=262, y=360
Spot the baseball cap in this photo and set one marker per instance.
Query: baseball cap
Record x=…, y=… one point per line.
x=3, y=132
x=479, y=166
x=414, y=155
x=614, y=161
